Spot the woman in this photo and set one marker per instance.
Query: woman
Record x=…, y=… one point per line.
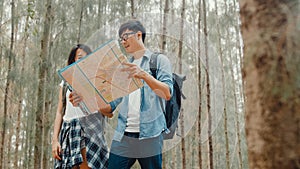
x=78, y=140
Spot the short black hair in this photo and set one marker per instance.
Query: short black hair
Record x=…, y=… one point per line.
x=133, y=25
x=72, y=54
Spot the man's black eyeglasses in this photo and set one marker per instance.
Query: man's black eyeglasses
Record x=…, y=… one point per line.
x=126, y=36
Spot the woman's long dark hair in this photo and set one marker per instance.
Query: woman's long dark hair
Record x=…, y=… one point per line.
x=72, y=54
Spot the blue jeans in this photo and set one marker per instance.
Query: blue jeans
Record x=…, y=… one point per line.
x=148, y=152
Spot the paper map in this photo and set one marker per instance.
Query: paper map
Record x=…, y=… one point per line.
x=99, y=76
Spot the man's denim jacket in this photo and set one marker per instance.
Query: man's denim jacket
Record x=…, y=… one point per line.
x=152, y=120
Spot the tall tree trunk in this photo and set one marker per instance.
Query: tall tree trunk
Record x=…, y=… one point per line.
x=164, y=26
x=271, y=36
x=99, y=13
x=183, y=150
x=1, y=43
x=47, y=125
x=18, y=133
x=8, y=154
x=48, y=110
x=80, y=21
x=239, y=56
x=41, y=88
x=29, y=142
x=209, y=132
x=236, y=112
x=223, y=84
x=21, y=88
x=7, y=85
x=132, y=8
x=225, y=123
x=17, y=143
x=199, y=87
x=22, y=158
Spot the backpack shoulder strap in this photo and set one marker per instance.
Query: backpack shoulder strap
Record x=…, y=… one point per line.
x=153, y=69
x=153, y=63
x=64, y=98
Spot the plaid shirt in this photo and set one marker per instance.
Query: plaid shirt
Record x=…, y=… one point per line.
x=79, y=133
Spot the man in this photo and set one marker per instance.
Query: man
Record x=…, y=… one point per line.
x=141, y=121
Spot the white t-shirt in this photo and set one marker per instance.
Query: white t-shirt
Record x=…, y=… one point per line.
x=71, y=111
x=134, y=103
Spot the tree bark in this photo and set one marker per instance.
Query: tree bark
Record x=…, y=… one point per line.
x=236, y=112
x=223, y=83
x=271, y=74
x=29, y=141
x=8, y=152
x=233, y=65
x=132, y=8
x=99, y=14
x=21, y=89
x=199, y=87
x=7, y=85
x=80, y=21
x=1, y=41
x=209, y=132
x=183, y=149
x=41, y=88
x=47, y=125
x=164, y=26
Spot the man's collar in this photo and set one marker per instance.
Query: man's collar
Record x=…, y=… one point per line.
x=147, y=54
